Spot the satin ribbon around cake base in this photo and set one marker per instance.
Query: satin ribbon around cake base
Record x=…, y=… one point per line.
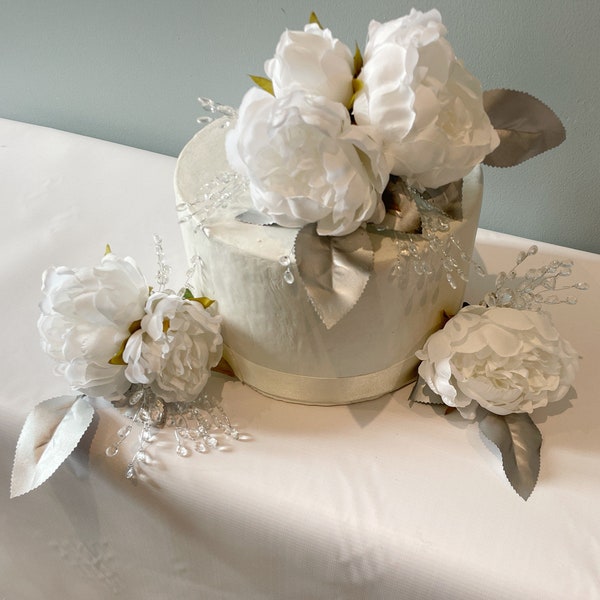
x=321, y=391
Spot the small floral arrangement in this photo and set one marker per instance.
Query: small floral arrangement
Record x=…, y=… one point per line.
x=107, y=329
x=499, y=361
x=321, y=143
x=114, y=337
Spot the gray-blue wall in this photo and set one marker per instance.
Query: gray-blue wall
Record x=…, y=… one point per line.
x=130, y=71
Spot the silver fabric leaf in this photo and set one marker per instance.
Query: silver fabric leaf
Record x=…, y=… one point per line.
x=424, y=394
x=51, y=432
x=253, y=217
x=519, y=441
x=334, y=270
x=526, y=126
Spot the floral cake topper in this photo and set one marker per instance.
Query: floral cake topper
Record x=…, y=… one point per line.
x=321, y=147
x=332, y=140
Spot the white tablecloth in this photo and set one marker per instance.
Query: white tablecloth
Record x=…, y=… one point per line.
x=379, y=500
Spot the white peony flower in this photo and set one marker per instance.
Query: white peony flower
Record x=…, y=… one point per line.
x=307, y=163
x=506, y=360
x=173, y=351
x=312, y=61
x=427, y=105
x=86, y=315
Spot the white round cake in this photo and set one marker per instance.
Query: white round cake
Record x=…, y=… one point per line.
x=274, y=339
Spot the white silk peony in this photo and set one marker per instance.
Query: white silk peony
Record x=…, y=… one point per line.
x=312, y=61
x=427, y=105
x=173, y=351
x=506, y=360
x=86, y=315
x=307, y=163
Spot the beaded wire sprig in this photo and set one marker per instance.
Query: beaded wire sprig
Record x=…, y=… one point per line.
x=196, y=426
x=537, y=287
x=442, y=247
x=215, y=108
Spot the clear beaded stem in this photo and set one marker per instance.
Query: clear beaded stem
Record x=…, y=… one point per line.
x=538, y=286
x=435, y=226
x=194, y=423
x=224, y=189
x=163, y=270
x=215, y=108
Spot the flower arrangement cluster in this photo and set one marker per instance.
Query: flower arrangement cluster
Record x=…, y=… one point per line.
x=320, y=137
x=107, y=330
x=499, y=361
x=114, y=337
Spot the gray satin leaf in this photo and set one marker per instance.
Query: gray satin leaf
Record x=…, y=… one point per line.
x=253, y=217
x=519, y=441
x=526, y=126
x=334, y=270
x=424, y=394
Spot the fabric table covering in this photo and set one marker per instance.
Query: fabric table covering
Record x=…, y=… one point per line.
x=378, y=500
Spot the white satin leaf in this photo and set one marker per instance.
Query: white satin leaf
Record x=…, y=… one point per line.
x=51, y=432
x=423, y=394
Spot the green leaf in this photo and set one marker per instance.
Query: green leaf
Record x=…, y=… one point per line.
x=358, y=61
x=117, y=359
x=263, y=83
x=357, y=85
x=314, y=19
x=206, y=302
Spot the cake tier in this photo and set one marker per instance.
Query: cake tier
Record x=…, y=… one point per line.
x=273, y=338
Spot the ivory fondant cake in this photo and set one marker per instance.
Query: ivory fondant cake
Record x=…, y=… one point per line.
x=330, y=214
x=274, y=339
